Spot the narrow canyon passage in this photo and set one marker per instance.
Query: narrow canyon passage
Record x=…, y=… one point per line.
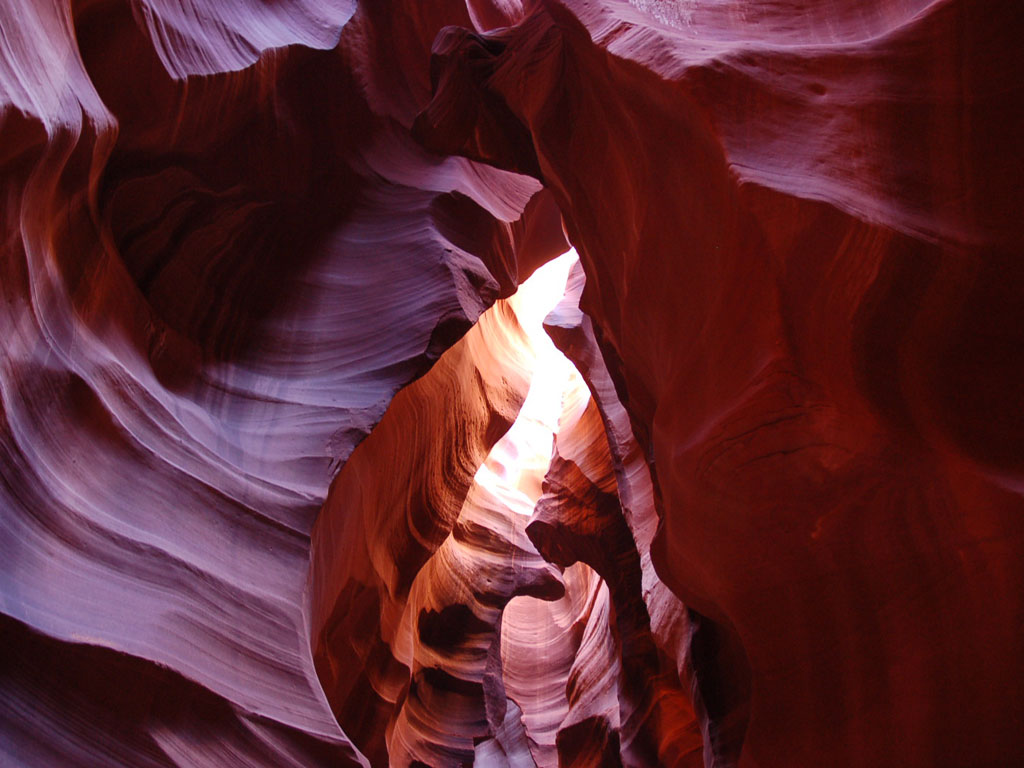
x=526, y=383
x=519, y=633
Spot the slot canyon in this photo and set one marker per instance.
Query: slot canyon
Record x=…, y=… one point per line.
x=512, y=383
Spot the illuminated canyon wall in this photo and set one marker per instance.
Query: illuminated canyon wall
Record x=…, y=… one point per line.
x=511, y=383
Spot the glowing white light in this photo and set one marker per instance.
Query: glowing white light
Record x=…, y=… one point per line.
x=519, y=461
x=539, y=294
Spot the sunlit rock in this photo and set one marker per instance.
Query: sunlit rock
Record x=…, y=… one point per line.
x=293, y=471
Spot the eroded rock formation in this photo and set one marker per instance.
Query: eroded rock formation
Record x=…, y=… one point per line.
x=292, y=475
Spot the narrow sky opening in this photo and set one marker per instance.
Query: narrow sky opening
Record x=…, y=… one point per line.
x=519, y=461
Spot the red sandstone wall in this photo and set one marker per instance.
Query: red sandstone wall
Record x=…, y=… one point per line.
x=799, y=243
x=232, y=232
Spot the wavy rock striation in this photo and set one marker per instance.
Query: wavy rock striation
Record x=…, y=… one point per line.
x=212, y=289
x=807, y=302
x=292, y=475
x=461, y=606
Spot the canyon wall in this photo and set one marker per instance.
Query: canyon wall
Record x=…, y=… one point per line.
x=800, y=244
x=264, y=497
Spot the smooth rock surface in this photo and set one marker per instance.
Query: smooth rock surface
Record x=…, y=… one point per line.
x=288, y=478
x=798, y=254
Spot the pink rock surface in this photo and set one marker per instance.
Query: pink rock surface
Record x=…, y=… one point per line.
x=212, y=289
x=276, y=489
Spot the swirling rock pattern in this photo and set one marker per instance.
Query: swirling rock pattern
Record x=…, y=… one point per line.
x=809, y=306
x=275, y=485
x=201, y=282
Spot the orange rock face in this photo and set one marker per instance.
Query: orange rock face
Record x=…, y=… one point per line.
x=292, y=474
